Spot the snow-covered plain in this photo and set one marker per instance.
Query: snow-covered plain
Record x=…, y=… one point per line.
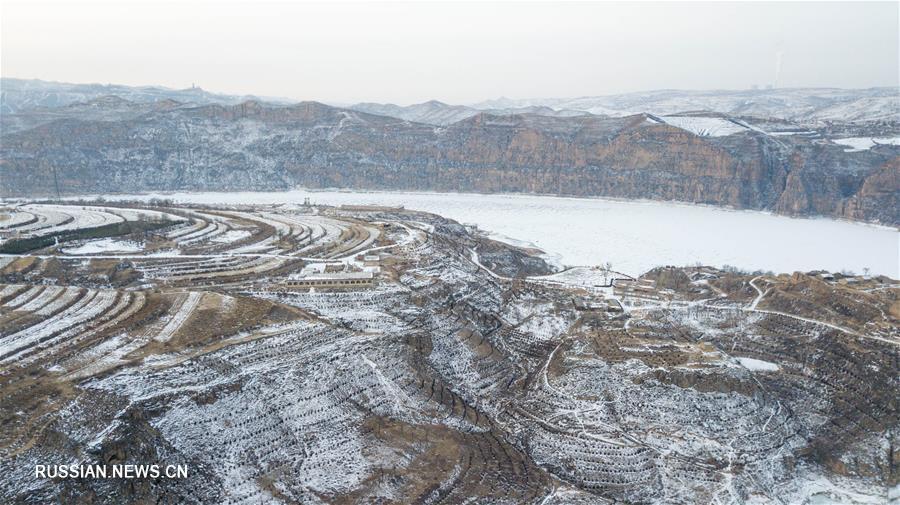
x=634, y=236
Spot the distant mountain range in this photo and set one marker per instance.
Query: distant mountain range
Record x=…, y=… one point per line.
x=23, y=94
x=794, y=104
x=798, y=105
x=805, y=105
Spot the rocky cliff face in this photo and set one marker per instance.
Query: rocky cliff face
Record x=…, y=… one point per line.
x=256, y=146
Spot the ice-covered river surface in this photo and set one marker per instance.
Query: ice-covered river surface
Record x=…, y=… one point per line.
x=634, y=236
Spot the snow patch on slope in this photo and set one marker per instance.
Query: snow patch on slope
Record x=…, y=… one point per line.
x=857, y=144
x=705, y=126
x=758, y=365
x=105, y=245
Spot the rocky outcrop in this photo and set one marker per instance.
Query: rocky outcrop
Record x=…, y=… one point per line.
x=878, y=197
x=259, y=146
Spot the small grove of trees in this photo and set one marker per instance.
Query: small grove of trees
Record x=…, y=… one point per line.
x=734, y=270
x=161, y=202
x=152, y=218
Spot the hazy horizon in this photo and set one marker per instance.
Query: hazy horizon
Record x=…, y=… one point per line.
x=460, y=53
x=486, y=99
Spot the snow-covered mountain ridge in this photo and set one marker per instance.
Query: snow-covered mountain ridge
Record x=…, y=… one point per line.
x=795, y=104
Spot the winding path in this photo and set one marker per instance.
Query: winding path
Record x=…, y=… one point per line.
x=761, y=294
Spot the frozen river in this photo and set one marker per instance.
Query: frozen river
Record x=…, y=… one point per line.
x=633, y=236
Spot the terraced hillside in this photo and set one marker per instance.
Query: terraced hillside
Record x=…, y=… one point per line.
x=308, y=354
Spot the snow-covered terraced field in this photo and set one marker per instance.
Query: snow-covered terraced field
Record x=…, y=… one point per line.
x=65, y=217
x=176, y=320
x=45, y=219
x=213, y=226
x=33, y=220
x=15, y=217
x=440, y=380
x=65, y=323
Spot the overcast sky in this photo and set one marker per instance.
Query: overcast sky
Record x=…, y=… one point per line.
x=455, y=52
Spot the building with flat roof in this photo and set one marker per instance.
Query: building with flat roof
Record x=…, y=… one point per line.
x=332, y=280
